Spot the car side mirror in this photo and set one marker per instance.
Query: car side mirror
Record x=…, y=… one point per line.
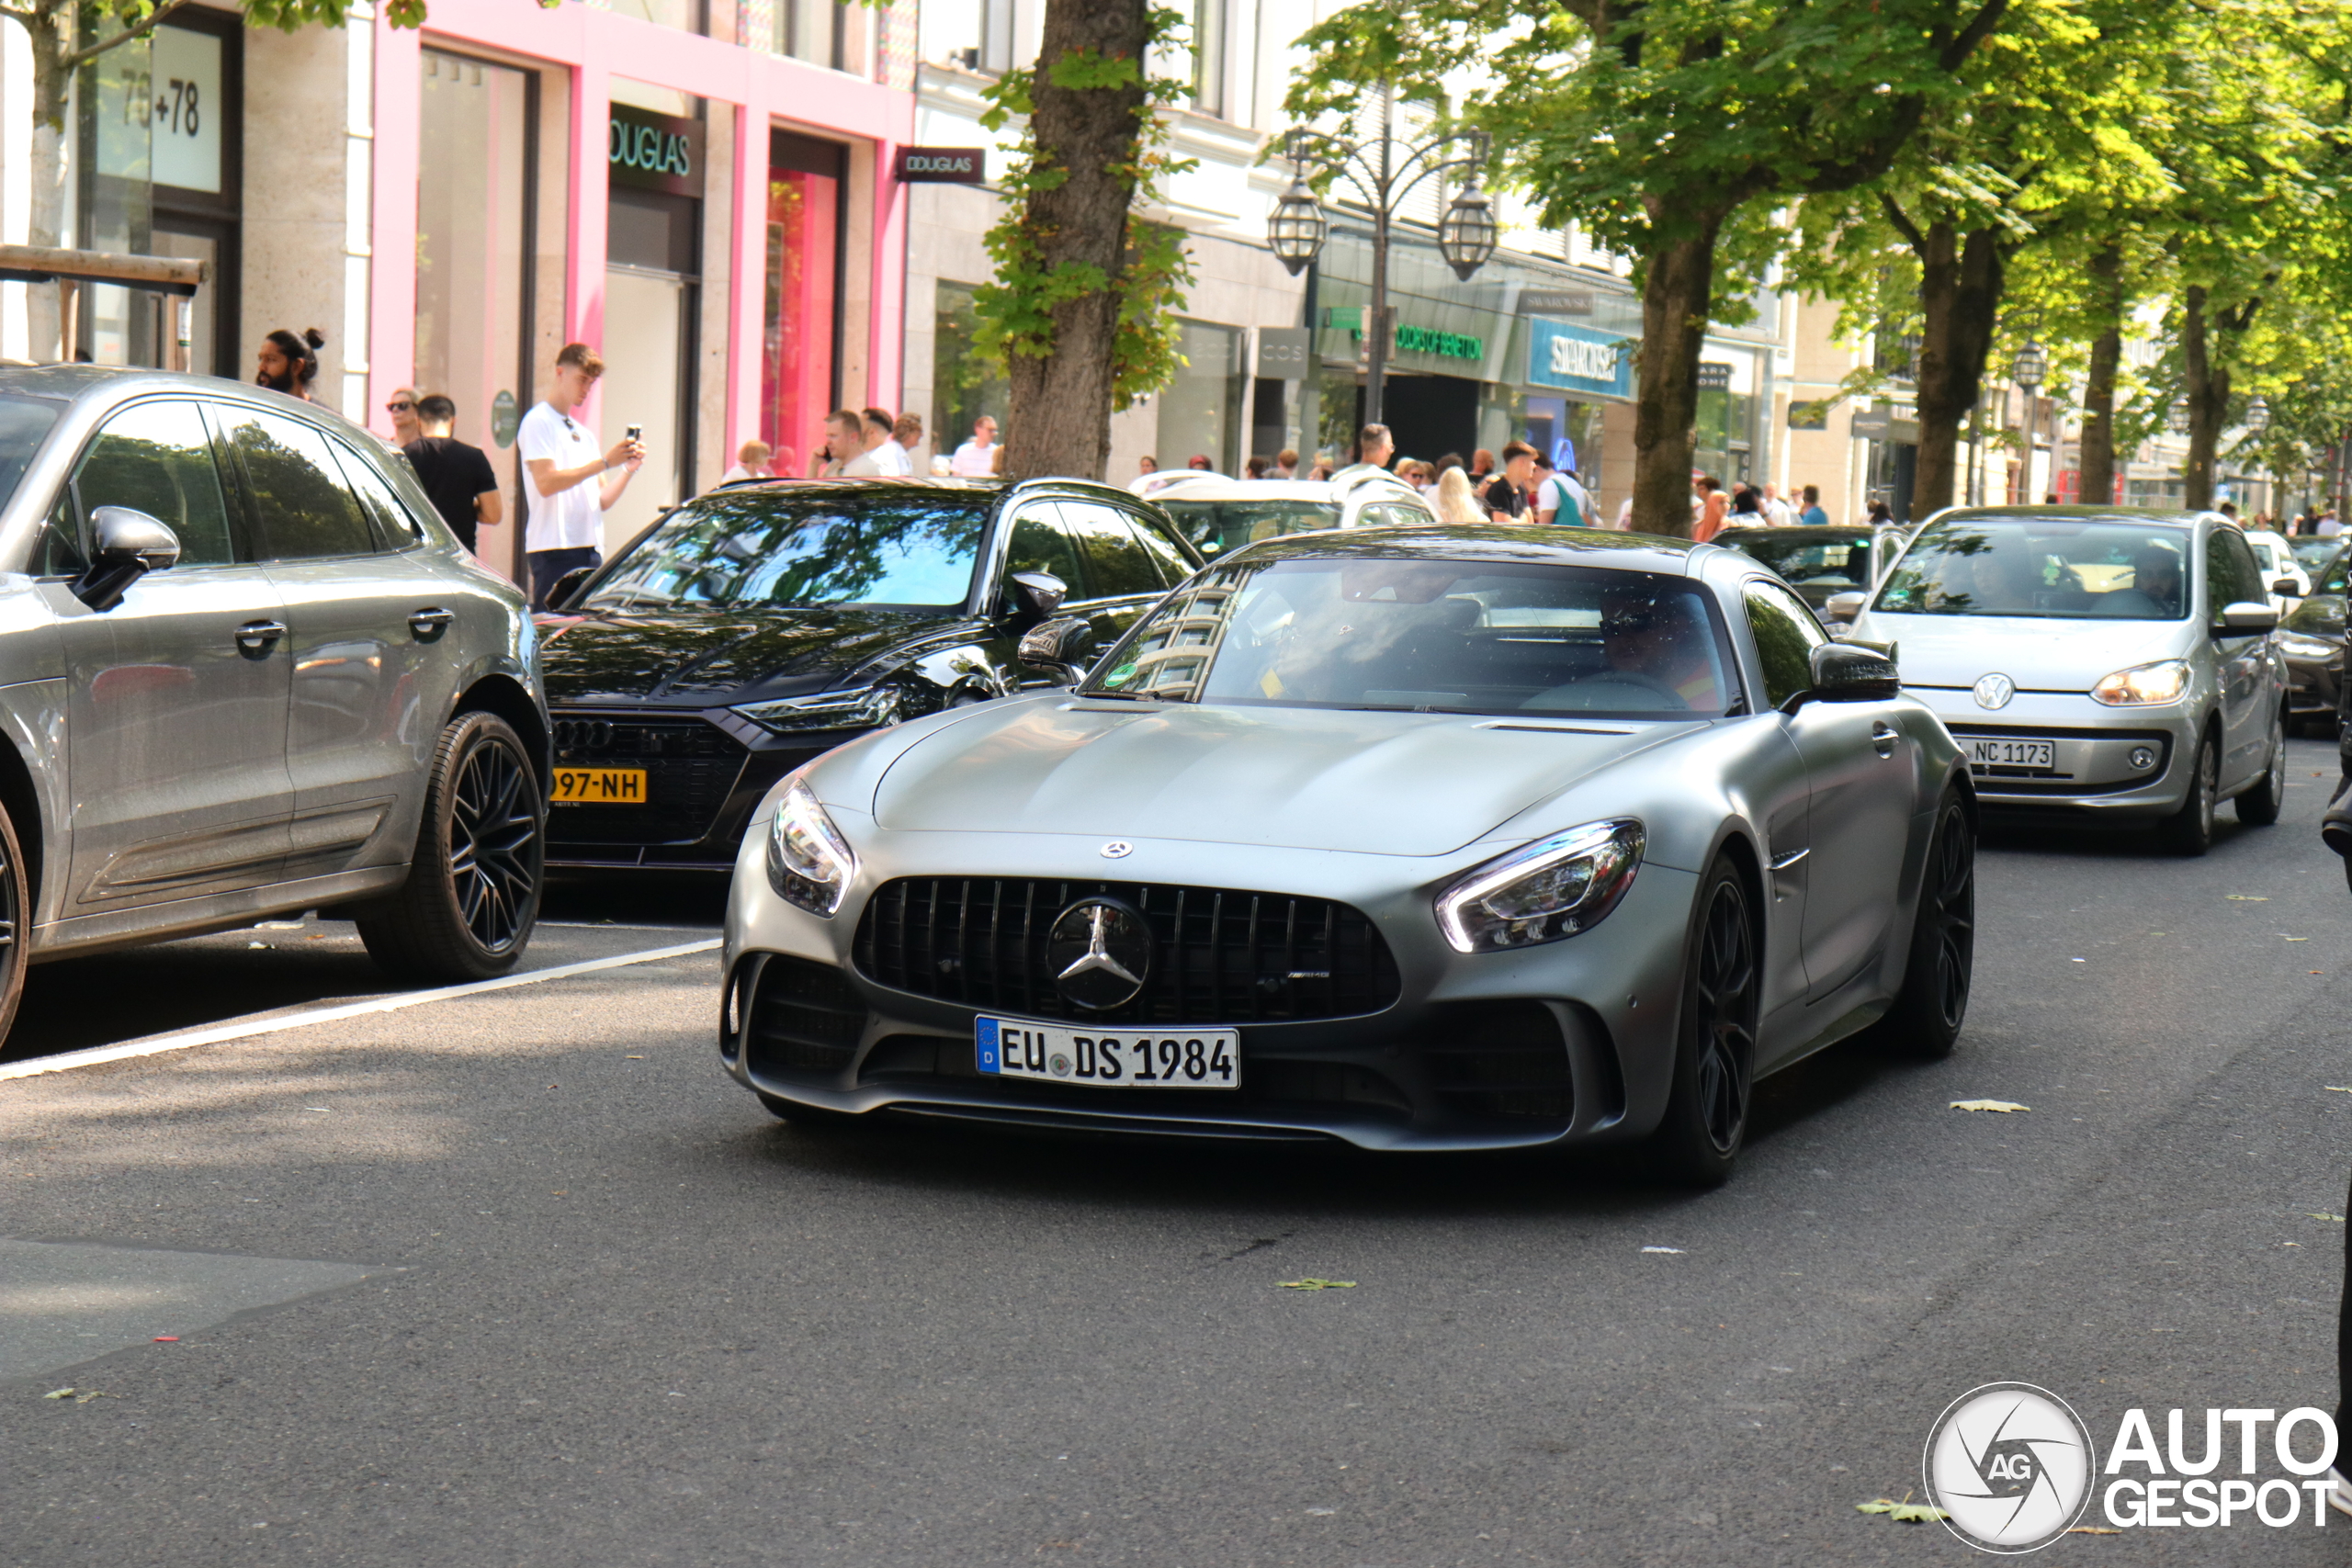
x=1036, y=596
x=1844, y=607
x=1848, y=672
x=2245, y=618
x=126, y=545
x=560, y=592
x=1063, y=648
x=2285, y=587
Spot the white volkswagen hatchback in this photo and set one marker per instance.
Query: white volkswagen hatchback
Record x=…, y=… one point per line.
x=2095, y=663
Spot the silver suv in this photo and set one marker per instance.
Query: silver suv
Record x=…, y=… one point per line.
x=2097, y=663
x=247, y=670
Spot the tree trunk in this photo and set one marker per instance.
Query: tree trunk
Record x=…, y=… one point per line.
x=1677, y=292
x=1060, y=421
x=2097, y=445
x=2206, y=387
x=1961, y=280
x=51, y=31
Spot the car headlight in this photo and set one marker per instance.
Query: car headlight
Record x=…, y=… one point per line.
x=2143, y=685
x=1548, y=891
x=2296, y=646
x=867, y=708
x=809, y=864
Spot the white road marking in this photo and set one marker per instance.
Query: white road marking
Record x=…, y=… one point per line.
x=66, y=1060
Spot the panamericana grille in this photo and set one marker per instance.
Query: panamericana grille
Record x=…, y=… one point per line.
x=1222, y=955
x=803, y=1018
x=690, y=766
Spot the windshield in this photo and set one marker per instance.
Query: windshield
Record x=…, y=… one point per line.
x=1431, y=635
x=770, y=547
x=1834, y=563
x=25, y=423
x=2047, y=568
x=2312, y=553
x=1217, y=527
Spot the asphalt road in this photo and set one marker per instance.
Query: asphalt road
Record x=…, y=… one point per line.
x=521, y=1279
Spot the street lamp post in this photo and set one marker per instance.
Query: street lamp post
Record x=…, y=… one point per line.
x=1383, y=175
x=2027, y=370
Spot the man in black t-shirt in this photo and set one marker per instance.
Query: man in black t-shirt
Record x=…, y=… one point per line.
x=1507, y=498
x=458, y=477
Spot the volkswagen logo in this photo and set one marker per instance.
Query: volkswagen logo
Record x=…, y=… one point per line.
x=1994, y=691
x=1117, y=849
x=1099, y=953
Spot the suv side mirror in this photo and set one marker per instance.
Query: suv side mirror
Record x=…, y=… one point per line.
x=2284, y=587
x=2245, y=618
x=1844, y=607
x=126, y=545
x=1063, y=648
x=1848, y=672
x=1036, y=596
x=561, y=590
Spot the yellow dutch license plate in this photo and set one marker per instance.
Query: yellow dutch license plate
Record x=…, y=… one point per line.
x=600, y=786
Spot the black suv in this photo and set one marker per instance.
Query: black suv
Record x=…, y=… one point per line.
x=765, y=623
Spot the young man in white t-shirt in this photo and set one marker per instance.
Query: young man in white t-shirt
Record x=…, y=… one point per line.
x=976, y=460
x=566, y=512
x=1562, y=502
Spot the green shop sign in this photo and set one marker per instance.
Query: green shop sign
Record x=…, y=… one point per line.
x=1445, y=346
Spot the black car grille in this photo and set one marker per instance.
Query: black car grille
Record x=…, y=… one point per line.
x=803, y=1018
x=1502, y=1059
x=1224, y=956
x=690, y=766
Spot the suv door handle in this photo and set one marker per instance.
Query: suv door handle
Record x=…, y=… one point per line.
x=1884, y=737
x=429, y=624
x=254, y=636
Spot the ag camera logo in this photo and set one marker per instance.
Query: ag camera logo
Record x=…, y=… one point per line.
x=2011, y=1465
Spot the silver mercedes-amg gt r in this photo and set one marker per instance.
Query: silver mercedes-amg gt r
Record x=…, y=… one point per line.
x=1418, y=839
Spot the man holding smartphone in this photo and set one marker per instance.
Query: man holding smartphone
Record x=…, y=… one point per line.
x=559, y=459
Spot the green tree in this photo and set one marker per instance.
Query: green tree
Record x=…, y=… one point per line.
x=1082, y=306
x=1667, y=128
x=69, y=34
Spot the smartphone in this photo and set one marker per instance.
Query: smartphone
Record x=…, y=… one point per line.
x=637, y=432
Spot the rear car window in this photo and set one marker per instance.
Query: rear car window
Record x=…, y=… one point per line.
x=307, y=511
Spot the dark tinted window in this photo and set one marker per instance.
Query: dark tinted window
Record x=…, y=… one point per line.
x=1836, y=564
x=393, y=524
x=1160, y=542
x=1039, y=543
x=766, y=547
x=1215, y=526
x=25, y=423
x=157, y=459
x=2232, y=576
x=305, y=508
x=58, y=551
x=1786, y=634
x=1117, y=566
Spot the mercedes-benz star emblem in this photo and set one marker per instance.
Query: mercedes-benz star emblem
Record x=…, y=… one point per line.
x=1117, y=849
x=1100, y=950
x=1994, y=691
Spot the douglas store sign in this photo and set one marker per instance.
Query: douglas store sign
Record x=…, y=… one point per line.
x=653, y=152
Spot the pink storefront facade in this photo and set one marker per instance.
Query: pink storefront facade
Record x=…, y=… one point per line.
x=718, y=219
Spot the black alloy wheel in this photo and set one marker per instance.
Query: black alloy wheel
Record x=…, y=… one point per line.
x=1923, y=1023
x=1706, y=1114
x=2189, y=830
x=15, y=923
x=472, y=895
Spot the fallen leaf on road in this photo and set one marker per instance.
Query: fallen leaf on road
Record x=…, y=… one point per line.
x=2295, y=938
x=167, y=1339
x=2246, y=898
x=1675, y=1249
x=2093, y=1530
x=2337, y=1218
x=2337, y=1087
x=58, y=1393
x=640, y=1058
x=1904, y=1512
x=2000, y=1105
x=85, y=1397
x=1311, y=1284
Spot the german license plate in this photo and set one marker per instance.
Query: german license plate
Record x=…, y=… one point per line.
x=1112, y=1058
x=600, y=786
x=1992, y=751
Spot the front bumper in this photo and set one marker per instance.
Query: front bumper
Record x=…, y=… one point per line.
x=803, y=1025
x=2314, y=686
x=707, y=769
x=2094, y=775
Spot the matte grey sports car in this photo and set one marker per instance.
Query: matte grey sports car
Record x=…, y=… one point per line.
x=1417, y=838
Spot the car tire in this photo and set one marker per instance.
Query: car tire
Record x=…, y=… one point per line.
x=1697, y=1141
x=473, y=893
x=15, y=923
x=2259, y=806
x=2189, y=830
x=1925, y=1021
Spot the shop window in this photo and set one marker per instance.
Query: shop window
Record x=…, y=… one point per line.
x=1201, y=411
x=965, y=384
x=815, y=30
x=803, y=321
x=1208, y=56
